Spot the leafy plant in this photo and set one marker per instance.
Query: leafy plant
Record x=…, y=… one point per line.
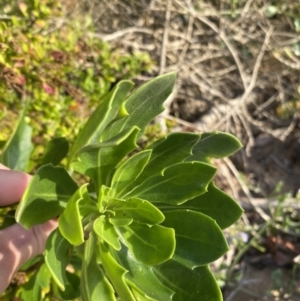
x=57, y=66
x=147, y=224
x=17, y=150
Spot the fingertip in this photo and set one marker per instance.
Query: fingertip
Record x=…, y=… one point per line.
x=19, y=245
x=12, y=185
x=3, y=167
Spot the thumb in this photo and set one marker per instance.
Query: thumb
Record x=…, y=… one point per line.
x=18, y=245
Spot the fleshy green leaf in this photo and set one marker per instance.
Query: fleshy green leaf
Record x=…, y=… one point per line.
x=69, y=222
x=98, y=160
x=129, y=171
x=149, y=244
x=46, y=196
x=72, y=288
x=101, y=117
x=216, y=204
x=103, y=198
x=192, y=285
x=177, y=184
x=57, y=256
x=142, y=277
x=143, y=105
x=121, y=222
x=215, y=145
x=55, y=150
x=94, y=284
x=199, y=240
x=105, y=230
x=30, y=291
x=31, y=262
x=139, y=210
x=116, y=274
x=43, y=277
x=140, y=296
x=172, y=149
x=17, y=150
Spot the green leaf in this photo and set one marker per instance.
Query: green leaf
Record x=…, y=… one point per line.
x=177, y=184
x=69, y=222
x=103, y=198
x=57, y=256
x=150, y=245
x=139, y=210
x=140, y=296
x=46, y=196
x=18, y=148
x=101, y=117
x=72, y=288
x=143, y=105
x=31, y=262
x=216, y=204
x=43, y=277
x=192, y=285
x=142, y=277
x=121, y=222
x=97, y=161
x=94, y=285
x=129, y=171
x=55, y=150
x=171, y=149
x=199, y=240
x=215, y=145
x=116, y=274
x=30, y=291
x=105, y=230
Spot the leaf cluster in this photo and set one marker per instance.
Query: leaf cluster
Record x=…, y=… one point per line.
x=145, y=226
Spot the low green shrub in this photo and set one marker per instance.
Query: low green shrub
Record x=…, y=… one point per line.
x=56, y=66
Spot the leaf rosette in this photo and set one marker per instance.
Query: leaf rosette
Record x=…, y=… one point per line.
x=148, y=223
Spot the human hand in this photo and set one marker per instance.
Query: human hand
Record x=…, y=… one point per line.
x=18, y=245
